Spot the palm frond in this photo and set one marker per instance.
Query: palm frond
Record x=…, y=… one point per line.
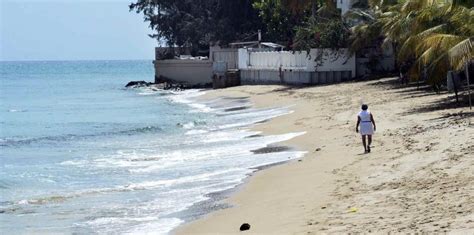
x=441, y=41
x=461, y=52
x=412, y=47
x=360, y=14
x=416, y=5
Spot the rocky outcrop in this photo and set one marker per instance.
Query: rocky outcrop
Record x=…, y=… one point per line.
x=157, y=86
x=164, y=84
x=136, y=84
x=183, y=85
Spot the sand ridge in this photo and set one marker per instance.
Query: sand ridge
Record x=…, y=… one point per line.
x=419, y=177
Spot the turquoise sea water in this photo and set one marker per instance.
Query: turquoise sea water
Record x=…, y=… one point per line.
x=82, y=154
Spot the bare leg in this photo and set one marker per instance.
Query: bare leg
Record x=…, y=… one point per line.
x=364, y=143
x=370, y=142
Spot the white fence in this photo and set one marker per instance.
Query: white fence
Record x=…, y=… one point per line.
x=329, y=61
x=274, y=60
x=227, y=55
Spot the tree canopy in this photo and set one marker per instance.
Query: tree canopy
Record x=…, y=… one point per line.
x=195, y=23
x=279, y=21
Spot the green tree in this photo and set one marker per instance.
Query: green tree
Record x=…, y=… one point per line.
x=198, y=23
x=322, y=34
x=279, y=21
x=293, y=22
x=324, y=29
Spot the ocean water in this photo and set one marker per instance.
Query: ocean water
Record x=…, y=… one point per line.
x=79, y=153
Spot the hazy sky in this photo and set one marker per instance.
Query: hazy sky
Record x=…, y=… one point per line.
x=72, y=30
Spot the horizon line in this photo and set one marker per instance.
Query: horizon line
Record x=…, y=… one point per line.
x=71, y=60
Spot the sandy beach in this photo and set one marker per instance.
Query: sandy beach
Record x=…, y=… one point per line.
x=419, y=176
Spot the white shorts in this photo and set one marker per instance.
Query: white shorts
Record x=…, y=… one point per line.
x=366, y=128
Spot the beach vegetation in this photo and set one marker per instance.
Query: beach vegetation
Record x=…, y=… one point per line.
x=431, y=37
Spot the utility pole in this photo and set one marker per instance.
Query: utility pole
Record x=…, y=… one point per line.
x=259, y=38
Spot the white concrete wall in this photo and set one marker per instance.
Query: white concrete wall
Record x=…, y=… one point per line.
x=294, y=77
x=193, y=72
x=332, y=61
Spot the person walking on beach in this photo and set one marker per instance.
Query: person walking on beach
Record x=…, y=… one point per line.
x=367, y=126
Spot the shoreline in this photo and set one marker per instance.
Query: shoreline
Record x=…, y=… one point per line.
x=337, y=188
x=217, y=200
x=266, y=129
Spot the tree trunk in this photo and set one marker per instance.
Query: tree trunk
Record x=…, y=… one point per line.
x=455, y=89
x=468, y=85
x=314, y=8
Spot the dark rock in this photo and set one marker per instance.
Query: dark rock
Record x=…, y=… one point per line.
x=166, y=84
x=138, y=84
x=244, y=227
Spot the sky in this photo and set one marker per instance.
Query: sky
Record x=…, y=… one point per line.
x=72, y=30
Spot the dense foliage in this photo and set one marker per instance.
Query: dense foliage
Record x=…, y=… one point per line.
x=303, y=24
x=324, y=28
x=279, y=21
x=195, y=23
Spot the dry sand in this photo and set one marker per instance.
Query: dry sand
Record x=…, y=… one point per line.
x=419, y=176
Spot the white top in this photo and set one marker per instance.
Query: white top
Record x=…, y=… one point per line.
x=364, y=116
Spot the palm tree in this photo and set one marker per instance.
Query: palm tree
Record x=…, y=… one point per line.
x=438, y=35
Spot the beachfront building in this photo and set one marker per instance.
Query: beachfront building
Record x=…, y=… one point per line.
x=261, y=66
x=257, y=62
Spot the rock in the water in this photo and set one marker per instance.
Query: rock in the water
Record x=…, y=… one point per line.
x=244, y=227
x=138, y=84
